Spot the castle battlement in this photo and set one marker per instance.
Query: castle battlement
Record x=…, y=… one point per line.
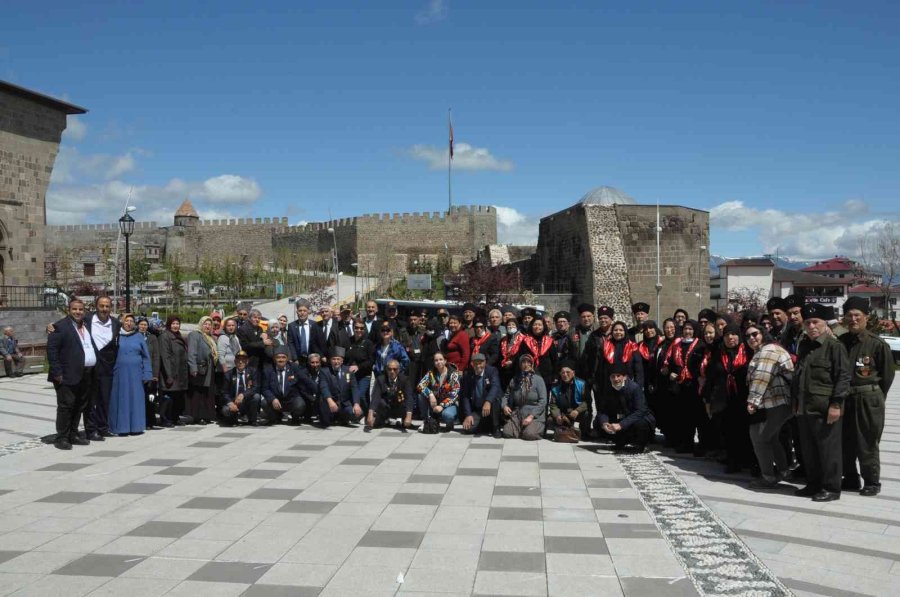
x=245, y=222
x=422, y=217
x=100, y=227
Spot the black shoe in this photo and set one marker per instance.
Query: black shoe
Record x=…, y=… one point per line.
x=108, y=434
x=497, y=434
x=367, y=429
x=870, y=490
x=449, y=427
x=79, y=441
x=95, y=437
x=62, y=444
x=826, y=496
x=806, y=491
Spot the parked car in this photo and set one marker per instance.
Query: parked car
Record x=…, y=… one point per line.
x=894, y=343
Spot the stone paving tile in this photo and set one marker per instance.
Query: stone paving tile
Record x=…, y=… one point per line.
x=232, y=572
x=69, y=497
x=163, y=529
x=65, y=466
x=99, y=565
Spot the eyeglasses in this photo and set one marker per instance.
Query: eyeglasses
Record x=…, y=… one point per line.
x=393, y=368
x=753, y=334
x=443, y=315
x=387, y=331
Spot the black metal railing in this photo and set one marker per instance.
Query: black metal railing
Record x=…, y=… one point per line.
x=30, y=297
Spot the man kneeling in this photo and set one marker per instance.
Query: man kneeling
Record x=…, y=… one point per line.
x=286, y=390
x=392, y=398
x=338, y=392
x=242, y=396
x=625, y=415
x=569, y=399
x=479, y=397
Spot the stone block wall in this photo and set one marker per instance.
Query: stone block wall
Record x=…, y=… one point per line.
x=610, y=271
x=563, y=257
x=29, y=142
x=684, y=269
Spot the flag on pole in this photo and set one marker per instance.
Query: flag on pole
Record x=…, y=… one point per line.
x=451, y=137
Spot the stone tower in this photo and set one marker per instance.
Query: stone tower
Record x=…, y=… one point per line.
x=181, y=237
x=31, y=125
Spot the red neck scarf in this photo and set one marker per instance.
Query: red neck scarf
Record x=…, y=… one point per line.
x=538, y=350
x=644, y=348
x=507, y=351
x=680, y=358
x=730, y=365
x=478, y=342
x=609, y=350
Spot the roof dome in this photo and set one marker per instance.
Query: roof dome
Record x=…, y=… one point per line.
x=606, y=196
x=187, y=209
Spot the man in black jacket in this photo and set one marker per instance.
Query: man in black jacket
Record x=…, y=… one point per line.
x=105, y=332
x=73, y=360
x=241, y=396
x=305, y=335
x=287, y=389
x=479, y=398
x=331, y=329
x=254, y=341
x=338, y=392
x=392, y=398
x=624, y=413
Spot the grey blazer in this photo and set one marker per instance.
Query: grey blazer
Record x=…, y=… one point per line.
x=199, y=357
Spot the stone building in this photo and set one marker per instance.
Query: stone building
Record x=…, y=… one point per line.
x=602, y=250
x=31, y=125
x=379, y=243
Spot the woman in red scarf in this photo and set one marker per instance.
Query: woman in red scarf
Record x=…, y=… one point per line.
x=725, y=392
x=682, y=366
x=539, y=344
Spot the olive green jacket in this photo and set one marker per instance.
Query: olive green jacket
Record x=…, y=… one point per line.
x=822, y=376
x=871, y=362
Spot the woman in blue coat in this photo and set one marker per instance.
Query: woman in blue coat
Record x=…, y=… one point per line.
x=127, y=413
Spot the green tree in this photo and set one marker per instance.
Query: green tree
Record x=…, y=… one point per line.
x=209, y=275
x=140, y=271
x=175, y=274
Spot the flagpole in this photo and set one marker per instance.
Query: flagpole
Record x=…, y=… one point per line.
x=450, y=163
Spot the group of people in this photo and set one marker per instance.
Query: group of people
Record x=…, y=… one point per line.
x=778, y=392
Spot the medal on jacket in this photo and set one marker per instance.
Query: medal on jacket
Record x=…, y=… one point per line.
x=864, y=366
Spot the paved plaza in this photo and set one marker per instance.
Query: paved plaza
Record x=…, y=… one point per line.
x=289, y=511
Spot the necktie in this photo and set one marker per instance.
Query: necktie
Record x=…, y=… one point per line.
x=303, y=344
x=479, y=388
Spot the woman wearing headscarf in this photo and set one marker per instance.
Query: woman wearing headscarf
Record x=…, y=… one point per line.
x=689, y=414
x=539, y=345
x=202, y=356
x=768, y=404
x=173, y=370
x=152, y=387
x=525, y=403
x=510, y=346
x=725, y=393
x=127, y=413
x=228, y=345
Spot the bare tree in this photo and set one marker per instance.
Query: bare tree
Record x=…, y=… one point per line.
x=747, y=298
x=880, y=254
x=479, y=281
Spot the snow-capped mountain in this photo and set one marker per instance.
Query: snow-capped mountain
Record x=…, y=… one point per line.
x=786, y=262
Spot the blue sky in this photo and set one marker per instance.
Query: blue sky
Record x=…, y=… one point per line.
x=775, y=116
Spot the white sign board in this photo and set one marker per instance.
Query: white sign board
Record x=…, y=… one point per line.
x=418, y=281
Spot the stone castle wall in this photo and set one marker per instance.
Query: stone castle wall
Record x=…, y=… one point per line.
x=29, y=137
x=684, y=269
x=610, y=273
x=563, y=256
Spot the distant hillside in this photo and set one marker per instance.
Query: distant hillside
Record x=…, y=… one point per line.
x=786, y=262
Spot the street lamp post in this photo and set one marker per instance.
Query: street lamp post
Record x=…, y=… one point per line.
x=337, y=282
x=355, y=278
x=700, y=273
x=126, y=227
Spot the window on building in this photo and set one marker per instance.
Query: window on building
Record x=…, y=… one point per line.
x=89, y=269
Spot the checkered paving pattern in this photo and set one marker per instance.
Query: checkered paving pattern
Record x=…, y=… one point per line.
x=303, y=511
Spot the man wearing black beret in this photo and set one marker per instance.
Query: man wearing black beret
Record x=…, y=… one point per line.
x=641, y=312
x=777, y=308
x=872, y=373
x=821, y=384
x=790, y=337
x=584, y=328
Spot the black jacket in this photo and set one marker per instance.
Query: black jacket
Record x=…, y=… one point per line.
x=362, y=354
x=390, y=394
x=626, y=407
x=297, y=384
x=316, y=343
x=336, y=336
x=492, y=391
x=250, y=387
x=490, y=349
x=65, y=352
x=252, y=343
x=340, y=386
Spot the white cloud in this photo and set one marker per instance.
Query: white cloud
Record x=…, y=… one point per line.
x=72, y=165
x=516, y=228
x=816, y=234
x=432, y=12
x=229, y=188
x=465, y=157
x=76, y=129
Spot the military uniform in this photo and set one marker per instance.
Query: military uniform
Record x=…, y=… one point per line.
x=872, y=372
x=822, y=380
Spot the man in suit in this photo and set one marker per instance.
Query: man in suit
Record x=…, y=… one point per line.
x=479, y=397
x=73, y=360
x=287, y=389
x=338, y=393
x=392, y=397
x=241, y=396
x=105, y=332
x=331, y=329
x=304, y=335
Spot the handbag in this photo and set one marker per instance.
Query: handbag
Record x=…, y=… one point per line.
x=567, y=435
x=431, y=426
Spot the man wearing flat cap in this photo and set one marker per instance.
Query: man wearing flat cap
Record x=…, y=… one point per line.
x=641, y=312
x=821, y=383
x=872, y=373
x=339, y=399
x=479, y=398
x=286, y=390
x=241, y=395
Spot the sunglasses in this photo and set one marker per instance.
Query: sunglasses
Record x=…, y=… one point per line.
x=359, y=328
x=386, y=331
x=753, y=334
x=443, y=315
